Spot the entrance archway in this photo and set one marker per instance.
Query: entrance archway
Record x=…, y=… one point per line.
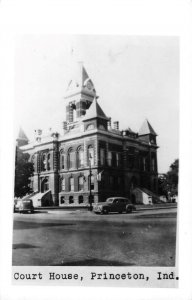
x=44, y=185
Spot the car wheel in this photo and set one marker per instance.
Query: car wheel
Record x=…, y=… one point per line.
x=105, y=211
x=129, y=210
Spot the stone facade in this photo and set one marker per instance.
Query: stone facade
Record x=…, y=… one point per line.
x=118, y=160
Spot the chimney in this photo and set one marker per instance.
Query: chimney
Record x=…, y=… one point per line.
x=116, y=125
x=109, y=124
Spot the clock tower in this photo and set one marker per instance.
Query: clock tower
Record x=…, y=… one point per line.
x=79, y=94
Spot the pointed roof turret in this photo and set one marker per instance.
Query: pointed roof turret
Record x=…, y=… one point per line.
x=22, y=135
x=95, y=111
x=146, y=128
x=22, y=138
x=80, y=81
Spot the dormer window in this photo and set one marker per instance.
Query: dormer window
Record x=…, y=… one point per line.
x=90, y=127
x=101, y=127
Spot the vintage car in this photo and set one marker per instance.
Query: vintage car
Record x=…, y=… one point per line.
x=26, y=206
x=114, y=204
x=17, y=203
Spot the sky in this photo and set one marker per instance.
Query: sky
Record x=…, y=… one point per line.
x=136, y=77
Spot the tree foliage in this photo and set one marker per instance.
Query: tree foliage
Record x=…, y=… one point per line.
x=168, y=183
x=23, y=172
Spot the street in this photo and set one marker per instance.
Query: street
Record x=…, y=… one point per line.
x=82, y=238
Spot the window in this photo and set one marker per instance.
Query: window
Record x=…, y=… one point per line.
x=119, y=182
x=114, y=159
x=63, y=184
x=153, y=164
x=44, y=185
x=90, y=155
x=102, y=127
x=62, y=160
x=90, y=127
x=118, y=156
x=102, y=156
x=144, y=164
x=43, y=162
x=109, y=158
x=80, y=183
x=48, y=161
x=80, y=158
x=71, y=184
x=71, y=200
x=92, y=182
x=111, y=181
x=62, y=200
x=70, y=159
x=80, y=199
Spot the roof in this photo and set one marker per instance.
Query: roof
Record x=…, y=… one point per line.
x=146, y=128
x=79, y=76
x=22, y=135
x=95, y=111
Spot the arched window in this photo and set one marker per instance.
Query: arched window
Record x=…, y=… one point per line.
x=90, y=127
x=119, y=182
x=62, y=160
x=111, y=181
x=71, y=200
x=153, y=164
x=80, y=183
x=44, y=162
x=80, y=199
x=90, y=155
x=71, y=184
x=48, y=162
x=109, y=158
x=70, y=159
x=114, y=163
x=44, y=185
x=144, y=163
x=80, y=157
x=102, y=156
x=118, y=158
x=63, y=184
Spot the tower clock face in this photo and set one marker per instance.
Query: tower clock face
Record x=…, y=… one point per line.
x=89, y=85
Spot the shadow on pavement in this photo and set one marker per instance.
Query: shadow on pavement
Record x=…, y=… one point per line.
x=157, y=216
x=18, y=225
x=23, y=246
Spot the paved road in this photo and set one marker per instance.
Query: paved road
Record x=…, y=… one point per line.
x=81, y=238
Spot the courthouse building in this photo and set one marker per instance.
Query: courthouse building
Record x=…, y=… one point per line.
x=91, y=158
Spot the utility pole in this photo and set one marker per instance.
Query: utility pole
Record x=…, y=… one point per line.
x=90, y=193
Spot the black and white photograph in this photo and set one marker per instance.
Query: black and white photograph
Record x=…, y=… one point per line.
x=97, y=164
x=96, y=160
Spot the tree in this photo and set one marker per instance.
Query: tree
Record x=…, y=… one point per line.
x=173, y=177
x=168, y=183
x=23, y=172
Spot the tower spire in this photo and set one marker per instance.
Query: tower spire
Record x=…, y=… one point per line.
x=80, y=93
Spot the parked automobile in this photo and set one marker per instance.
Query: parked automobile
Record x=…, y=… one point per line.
x=16, y=205
x=114, y=204
x=26, y=206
